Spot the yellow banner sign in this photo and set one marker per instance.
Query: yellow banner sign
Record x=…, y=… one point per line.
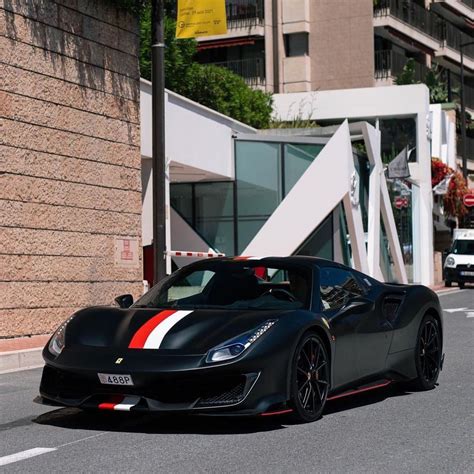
x=201, y=18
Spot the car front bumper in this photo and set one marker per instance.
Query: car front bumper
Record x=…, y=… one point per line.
x=460, y=274
x=162, y=383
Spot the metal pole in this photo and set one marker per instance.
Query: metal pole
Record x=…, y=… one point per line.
x=463, y=119
x=158, y=134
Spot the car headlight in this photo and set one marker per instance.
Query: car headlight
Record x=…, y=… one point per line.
x=58, y=341
x=450, y=262
x=234, y=347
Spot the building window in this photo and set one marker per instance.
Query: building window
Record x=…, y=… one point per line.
x=296, y=44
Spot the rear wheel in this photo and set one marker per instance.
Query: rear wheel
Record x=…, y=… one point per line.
x=309, y=379
x=462, y=285
x=427, y=355
x=447, y=283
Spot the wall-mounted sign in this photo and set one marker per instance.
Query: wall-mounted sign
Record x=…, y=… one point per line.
x=126, y=252
x=201, y=18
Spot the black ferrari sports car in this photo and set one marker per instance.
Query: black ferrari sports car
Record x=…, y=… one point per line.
x=246, y=336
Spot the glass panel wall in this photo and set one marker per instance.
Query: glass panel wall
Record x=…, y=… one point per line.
x=229, y=215
x=401, y=195
x=321, y=242
x=214, y=210
x=297, y=158
x=209, y=210
x=181, y=198
x=259, y=186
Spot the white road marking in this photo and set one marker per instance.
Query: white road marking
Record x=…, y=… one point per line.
x=82, y=439
x=30, y=453
x=456, y=310
x=470, y=314
x=22, y=455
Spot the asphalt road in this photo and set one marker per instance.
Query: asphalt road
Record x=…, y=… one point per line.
x=386, y=430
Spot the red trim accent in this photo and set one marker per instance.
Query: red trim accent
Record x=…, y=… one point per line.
x=360, y=390
x=241, y=258
x=113, y=401
x=272, y=413
x=140, y=337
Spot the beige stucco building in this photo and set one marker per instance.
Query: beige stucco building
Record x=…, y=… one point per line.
x=70, y=188
x=302, y=45
x=296, y=45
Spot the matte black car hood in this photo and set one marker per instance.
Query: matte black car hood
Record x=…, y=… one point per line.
x=187, y=332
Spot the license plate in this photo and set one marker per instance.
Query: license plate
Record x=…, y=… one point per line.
x=115, y=379
x=470, y=274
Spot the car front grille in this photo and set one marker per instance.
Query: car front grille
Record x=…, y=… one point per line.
x=202, y=391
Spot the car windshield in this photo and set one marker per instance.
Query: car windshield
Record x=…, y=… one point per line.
x=463, y=247
x=232, y=284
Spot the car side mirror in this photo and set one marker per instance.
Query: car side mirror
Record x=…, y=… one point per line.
x=124, y=301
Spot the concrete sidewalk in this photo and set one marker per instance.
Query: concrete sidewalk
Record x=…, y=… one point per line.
x=21, y=353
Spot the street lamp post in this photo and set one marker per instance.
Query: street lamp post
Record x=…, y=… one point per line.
x=463, y=113
x=158, y=140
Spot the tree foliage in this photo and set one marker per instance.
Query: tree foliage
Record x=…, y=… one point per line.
x=433, y=79
x=212, y=86
x=226, y=92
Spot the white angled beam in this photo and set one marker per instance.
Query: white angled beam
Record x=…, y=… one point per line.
x=356, y=231
x=319, y=190
x=372, y=144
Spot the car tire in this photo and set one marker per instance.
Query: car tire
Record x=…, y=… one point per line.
x=447, y=284
x=462, y=285
x=310, y=379
x=428, y=353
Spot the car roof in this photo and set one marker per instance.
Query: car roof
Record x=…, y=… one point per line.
x=291, y=260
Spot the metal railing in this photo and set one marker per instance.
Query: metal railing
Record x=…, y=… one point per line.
x=420, y=18
x=388, y=63
x=469, y=147
x=454, y=82
x=425, y=21
x=454, y=37
x=244, y=13
x=252, y=70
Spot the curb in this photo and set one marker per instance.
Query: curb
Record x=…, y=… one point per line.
x=25, y=359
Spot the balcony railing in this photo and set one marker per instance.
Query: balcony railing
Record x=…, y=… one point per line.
x=469, y=147
x=469, y=3
x=455, y=37
x=413, y=14
x=425, y=21
x=388, y=64
x=244, y=13
x=252, y=70
x=454, y=82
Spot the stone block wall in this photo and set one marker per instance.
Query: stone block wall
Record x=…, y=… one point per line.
x=69, y=159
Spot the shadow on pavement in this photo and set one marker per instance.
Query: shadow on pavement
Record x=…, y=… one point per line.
x=72, y=418
x=364, y=399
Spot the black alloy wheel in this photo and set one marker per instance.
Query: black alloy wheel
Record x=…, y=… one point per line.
x=428, y=354
x=310, y=379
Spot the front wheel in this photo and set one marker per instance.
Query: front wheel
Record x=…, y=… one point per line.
x=309, y=379
x=447, y=284
x=462, y=285
x=427, y=355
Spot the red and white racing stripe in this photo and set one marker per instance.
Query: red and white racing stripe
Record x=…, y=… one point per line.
x=152, y=333
x=243, y=257
x=119, y=403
